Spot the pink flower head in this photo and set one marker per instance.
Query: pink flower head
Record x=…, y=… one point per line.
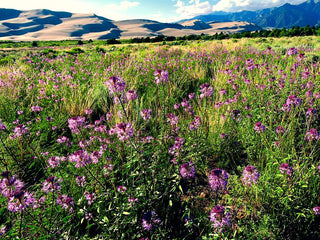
x=206, y=90
x=219, y=218
x=250, y=175
x=66, y=202
x=280, y=130
x=88, y=111
x=121, y=189
x=218, y=180
x=36, y=108
x=124, y=131
x=51, y=184
x=2, y=126
x=115, y=85
x=259, y=127
x=312, y=134
x=188, y=170
x=285, y=168
x=146, y=114
x=75, y=123
x=316, y=210
x=292, y=51
x=131, y=95
x=150, y=220
x=161, y=76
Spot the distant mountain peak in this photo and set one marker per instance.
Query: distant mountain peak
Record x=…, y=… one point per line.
x=287, y=15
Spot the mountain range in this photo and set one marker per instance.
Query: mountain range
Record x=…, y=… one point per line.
x=43, y=24
x=287, y=15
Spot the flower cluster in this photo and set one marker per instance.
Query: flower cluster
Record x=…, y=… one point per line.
x=316, y=210
x=206, y=90
x=66, y=202
x=175, y=149
x=146, y=114
x=51, y=184
x=123, y=130
x=161, y=76
x=220, y=220
x=116, y=85
x=75, y=123
x=312, y=134
x=218, y=180
x=259, y=127
x=188, y=170
x=250, y=175
x=285, y=168
x=150, y=220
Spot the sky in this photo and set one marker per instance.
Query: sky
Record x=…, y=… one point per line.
x=159, y=10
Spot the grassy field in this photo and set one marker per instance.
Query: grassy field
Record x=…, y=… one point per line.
x=205, y=140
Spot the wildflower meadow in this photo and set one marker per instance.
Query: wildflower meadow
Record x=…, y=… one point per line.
x=205, y=140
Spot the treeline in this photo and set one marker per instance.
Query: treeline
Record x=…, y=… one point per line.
x=292, y=32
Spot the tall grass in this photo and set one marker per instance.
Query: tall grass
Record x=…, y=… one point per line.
x=211, y=140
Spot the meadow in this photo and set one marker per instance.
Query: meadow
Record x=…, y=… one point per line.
x=205, y=140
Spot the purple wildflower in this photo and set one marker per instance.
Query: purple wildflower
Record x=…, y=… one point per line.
x=81, y=181
x=20, y=200
x=188, y=170
x=62, y=139
x=88, y=111
x=54, y=162
x=161, y=76
x=259, y=127
x=3, y=230
x=36, y=108
x=115, y=85
x=194, y=125
x=285, y=168
x=311, y=112
x=2, y=126
x=293, y=100
x=219, y=218
x=191, y=96
x=51, y=184
x=250, y=175
x=218, y=180
x=292, y=51
x=20, y=130
x=312, y=134
x=206, y=90
x=175, y=149
x=280, y=130
x=150, y=220
x=75, y=123
x=124, y=131
x=131, y=95
x=66, y=202
x=146, y=114
x=9, y=185
x=80, y=157
x=121, y=189
x=316, y=210
x=172, y=119
x=90, y=197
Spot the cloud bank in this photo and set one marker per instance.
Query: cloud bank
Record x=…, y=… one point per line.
x=191, y=8
x=111, y=10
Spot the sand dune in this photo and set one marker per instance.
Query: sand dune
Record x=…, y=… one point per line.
x=42, y=24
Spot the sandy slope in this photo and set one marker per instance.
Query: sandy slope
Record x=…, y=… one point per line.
x=44, y=24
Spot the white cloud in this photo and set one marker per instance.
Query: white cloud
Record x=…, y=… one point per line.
x=111, y=10
x=192, y=8
x=238, y=5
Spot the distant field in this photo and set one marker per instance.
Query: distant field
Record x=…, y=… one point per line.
x=171, y=140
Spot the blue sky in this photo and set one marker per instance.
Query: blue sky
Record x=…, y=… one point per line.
x=160, y=10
